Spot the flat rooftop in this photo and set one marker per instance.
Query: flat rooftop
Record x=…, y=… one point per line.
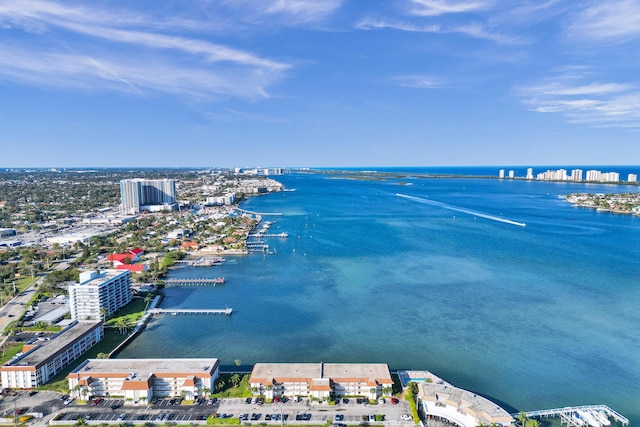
x=377, y=371
x=98, y=278
x=145, y=367
x=49, y=347
x=466, y=402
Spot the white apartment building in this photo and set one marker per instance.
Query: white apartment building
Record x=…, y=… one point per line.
x=576, y=175
x=109, y=290
x=501, y=173
x=141, y=380
x=43, y=359
x=529, y=173
x=140, y=194
x=632, y=177
x=225, y=200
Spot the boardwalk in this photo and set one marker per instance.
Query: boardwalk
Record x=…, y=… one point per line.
x=572, y=416
x=194, y=282
x=226, y=311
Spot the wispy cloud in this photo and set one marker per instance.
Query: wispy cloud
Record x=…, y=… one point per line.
x=417, y=81
x=440, y=7
x=287, y=12
x=592, y=103
x=135, y=53
x=474, y=29
x=609, y=20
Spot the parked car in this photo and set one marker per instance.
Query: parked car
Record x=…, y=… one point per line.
x=406, y=417
x=394, y=401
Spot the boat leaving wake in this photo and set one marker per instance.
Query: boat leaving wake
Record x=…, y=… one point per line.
x=463, y=210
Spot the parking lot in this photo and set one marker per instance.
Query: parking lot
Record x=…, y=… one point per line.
x=96, y=411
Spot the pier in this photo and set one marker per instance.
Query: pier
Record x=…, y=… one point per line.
x=175, y=311
x=260, y=213
x=572, y=416
x=194, y=282
x=202, y=262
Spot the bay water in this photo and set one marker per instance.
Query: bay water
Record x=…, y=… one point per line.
x=541, y=316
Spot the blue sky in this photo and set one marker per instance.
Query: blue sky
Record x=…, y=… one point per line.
x=319, y=82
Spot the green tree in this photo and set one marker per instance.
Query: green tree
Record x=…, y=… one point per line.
x=237, y=362
x=235, y=380
x=522, y=417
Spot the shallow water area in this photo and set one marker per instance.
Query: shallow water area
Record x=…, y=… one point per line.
x=537, y=317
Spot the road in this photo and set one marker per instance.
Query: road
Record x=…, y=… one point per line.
x=16, y=306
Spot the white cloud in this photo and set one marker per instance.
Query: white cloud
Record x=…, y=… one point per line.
x=594, y=103
x=122, y=50
x=289, y=12
x=474, y=30
x=611, y=20
x=440, y=7
x=418, y=81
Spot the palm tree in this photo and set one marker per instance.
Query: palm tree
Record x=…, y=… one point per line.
x=237, y=362
x=522, y=417
x=147, y=299
x=122, y=324
x=235, y=379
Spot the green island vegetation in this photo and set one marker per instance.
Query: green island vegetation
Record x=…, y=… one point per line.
x=624, y=203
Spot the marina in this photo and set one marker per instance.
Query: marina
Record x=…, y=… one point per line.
x=581, y=416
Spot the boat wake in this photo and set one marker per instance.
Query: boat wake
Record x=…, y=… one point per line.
x=463, y=210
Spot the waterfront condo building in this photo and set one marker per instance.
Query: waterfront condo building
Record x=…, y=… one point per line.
x=321, y=380
x=142, y=380
x=43, y=359
x=147, y=194
x=99, y=294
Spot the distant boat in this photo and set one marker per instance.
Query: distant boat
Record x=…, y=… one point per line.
x=289, y=190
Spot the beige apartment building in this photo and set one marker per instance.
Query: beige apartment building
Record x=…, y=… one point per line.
x=321, y=380
x=141, y=380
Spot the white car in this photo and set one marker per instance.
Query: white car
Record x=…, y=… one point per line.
x=406, y=417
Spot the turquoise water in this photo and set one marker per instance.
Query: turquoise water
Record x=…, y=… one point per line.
x=536, y=317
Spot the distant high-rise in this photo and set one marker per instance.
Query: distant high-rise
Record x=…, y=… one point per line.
x=136, y=194
x=501, y=173
x=632, y=177
x=529, y=173
x=512, y=174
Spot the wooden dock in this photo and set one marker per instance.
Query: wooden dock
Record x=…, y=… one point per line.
x=194, y=282
x=175, y=311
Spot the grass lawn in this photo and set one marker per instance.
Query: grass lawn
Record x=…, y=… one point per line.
x=242, y=390
x=10, y=352
x=132, y=312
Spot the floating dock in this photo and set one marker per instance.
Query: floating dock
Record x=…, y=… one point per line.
x=573, y=416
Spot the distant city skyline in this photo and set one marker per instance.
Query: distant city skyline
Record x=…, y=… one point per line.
x=319, y=83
